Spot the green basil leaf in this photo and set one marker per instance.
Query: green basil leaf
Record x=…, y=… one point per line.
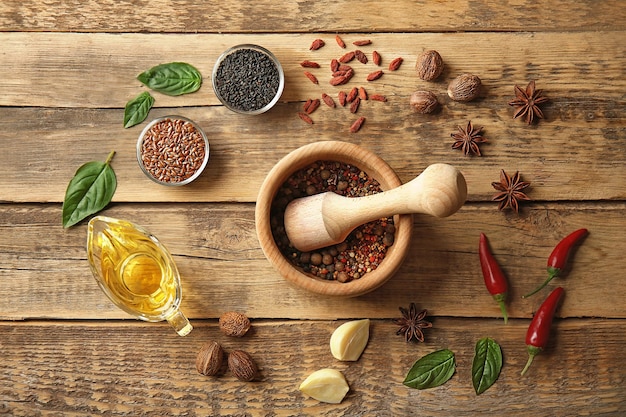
x=432, y=370
x=137, y=109
x=173, y=79
x=90, y=190
x=487, y=364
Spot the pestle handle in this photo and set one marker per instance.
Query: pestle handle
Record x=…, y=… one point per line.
x=327, y=218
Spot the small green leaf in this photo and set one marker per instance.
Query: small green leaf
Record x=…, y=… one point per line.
x=173, y=79
x=487, y=364
x=137, y=109
x=90, y=190
x=432, y=370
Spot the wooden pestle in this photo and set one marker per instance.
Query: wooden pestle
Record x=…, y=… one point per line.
x=326, y=219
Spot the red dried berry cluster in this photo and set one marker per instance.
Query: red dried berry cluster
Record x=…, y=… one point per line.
x=341, y=74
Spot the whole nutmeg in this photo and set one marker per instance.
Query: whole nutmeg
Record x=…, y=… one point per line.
x=242, y=365
x=465, y=87
x=423, y=102
x=233, y=323
x=429, y=65
x=210, y=358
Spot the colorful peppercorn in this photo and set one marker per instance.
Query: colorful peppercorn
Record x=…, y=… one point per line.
x=362, y=251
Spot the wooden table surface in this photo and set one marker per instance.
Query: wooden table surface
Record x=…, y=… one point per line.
x=68, y=68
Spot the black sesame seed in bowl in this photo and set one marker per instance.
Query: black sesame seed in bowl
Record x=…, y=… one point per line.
x=248, y=79
x=172, y=150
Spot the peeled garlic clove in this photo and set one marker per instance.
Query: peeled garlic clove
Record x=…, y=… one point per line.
x=348, y=341
x=326, y=385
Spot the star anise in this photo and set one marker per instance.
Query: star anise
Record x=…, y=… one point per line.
x=526, y=102
x=468, y=139
x=412, y=323
x=510, y=191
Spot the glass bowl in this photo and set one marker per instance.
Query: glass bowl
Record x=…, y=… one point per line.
x=172, y=150
x=248, y=79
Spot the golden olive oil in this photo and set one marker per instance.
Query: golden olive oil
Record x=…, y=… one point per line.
x=135, y=270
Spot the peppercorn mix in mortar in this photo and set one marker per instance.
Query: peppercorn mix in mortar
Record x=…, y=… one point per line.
x=362, y=251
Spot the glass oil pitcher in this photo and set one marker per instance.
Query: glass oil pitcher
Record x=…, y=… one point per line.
x=135, y=271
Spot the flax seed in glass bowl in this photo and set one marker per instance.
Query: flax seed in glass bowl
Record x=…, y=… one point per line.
x=172, y=150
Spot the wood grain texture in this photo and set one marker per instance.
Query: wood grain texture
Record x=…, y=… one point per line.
x=574, y=69
x=146, y=369
x=583, y=74
x=45, y=271
x=37, y=165
x=310, y=16
x=69, y=67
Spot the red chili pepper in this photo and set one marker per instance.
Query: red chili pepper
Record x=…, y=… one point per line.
x=495, y=281
x=539, y=329
x=559, y=256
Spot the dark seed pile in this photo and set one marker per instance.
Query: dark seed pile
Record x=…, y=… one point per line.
x=247, y=80
x=362, y=251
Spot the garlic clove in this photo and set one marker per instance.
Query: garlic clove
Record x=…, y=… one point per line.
x=326, y=385
x=348, y=341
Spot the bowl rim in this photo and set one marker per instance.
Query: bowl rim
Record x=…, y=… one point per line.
x=299, y=158
x=198, y=171
x=257, y=48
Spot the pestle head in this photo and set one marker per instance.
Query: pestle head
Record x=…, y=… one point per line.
x=445, y=188
x=307, y=226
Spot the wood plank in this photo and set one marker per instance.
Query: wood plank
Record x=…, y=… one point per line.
x=53, y=143
x=68, y=70
x=112, y=368
x=574, y=69
x=585, y=120
x=45, y=273
x=323, y=15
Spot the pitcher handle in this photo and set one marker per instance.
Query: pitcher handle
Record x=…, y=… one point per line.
x=180, y=323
